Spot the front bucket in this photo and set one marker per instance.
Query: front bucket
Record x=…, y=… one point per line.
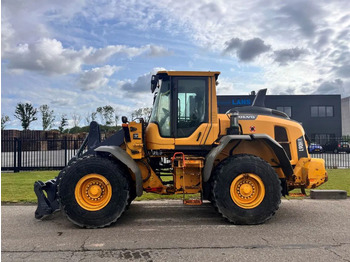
x=47, y=203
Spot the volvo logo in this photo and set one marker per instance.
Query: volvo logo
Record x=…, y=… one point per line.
x=247, y=117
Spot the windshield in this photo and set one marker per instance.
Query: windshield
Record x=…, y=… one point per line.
x=161, y=109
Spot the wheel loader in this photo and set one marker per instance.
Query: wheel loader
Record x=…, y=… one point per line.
x=242, y=161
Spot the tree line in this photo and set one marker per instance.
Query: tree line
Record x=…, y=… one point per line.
x=26, y=113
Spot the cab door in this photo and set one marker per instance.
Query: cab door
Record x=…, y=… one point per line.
x=159, y=132
x=191, y=116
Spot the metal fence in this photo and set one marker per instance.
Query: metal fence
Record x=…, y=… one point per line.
x=332, y=160
x=33, y=154
x=29, y=154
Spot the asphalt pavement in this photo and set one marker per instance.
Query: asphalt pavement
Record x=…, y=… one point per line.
x=301, y=230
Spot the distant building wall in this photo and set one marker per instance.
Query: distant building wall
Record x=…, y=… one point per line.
x=320, y=115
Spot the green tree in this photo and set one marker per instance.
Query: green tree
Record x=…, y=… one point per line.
x=63, y=123
x=144, y=112
x=47, y=117
x=107, y=115
x=26, y=114
x=4, y=120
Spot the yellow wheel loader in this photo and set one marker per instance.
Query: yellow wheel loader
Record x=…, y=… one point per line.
x=242, y=161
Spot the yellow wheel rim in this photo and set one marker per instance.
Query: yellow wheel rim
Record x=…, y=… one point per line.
x=93, y=192
x=247, y=191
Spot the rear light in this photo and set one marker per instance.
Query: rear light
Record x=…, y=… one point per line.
x=338, y=145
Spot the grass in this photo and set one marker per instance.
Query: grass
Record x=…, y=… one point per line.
x=18, y=187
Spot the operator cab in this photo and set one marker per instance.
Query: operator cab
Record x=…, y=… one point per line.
x=188, y=95
x=181, y=107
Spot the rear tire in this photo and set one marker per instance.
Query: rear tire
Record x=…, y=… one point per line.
x=94, y=191
x=246, y=190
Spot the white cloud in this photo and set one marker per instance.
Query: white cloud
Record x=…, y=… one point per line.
x=320, y=27
x=48, y=56
x=30, y=19
x=157, y=51
x=96, y=77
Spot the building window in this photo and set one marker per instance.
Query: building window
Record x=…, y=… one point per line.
x=322, y=111
x=285, y=109
x=322, y=138
x=329, y=111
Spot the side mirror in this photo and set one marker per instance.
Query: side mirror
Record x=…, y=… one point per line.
x=154, y=82
x=124, y=119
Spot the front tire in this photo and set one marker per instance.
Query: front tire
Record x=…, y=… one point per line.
x=94, y=191
x=246, y=190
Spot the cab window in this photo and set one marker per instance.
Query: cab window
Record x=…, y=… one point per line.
x=191, y=103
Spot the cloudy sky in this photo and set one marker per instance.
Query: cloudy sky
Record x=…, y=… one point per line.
x=78, y=55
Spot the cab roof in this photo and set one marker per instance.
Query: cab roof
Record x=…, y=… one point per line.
x=189, y=73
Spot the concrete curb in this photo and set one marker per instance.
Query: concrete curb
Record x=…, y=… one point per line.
x=328, y=194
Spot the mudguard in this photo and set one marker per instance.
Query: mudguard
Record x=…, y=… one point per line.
x=276, y=147
x=123, y=157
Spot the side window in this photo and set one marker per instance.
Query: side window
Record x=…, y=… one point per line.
x=161, y=109
x=282, y=138
x=191, y=102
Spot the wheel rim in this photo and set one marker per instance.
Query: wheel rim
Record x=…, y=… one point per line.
x=247, y=191
x=93, y=192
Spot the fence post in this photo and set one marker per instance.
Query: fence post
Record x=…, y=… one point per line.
x=65, y=151
x=15, y=169
x=19, y=154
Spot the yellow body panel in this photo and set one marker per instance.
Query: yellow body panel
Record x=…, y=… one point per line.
x=151, y=182
x=155, y=141
x=135, y=147
x=266, y=125
x=310, y=173
x=188, y=178
x=198, y=137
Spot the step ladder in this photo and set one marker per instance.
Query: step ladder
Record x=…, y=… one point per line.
x=192, y=201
